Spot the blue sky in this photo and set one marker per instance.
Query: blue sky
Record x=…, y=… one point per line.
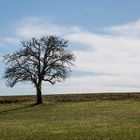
x=104, y=35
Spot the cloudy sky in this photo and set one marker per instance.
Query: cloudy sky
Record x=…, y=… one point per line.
x=103, y=34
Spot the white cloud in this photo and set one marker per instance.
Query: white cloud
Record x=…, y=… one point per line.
x=36, y=26
x=11, y=40
x=1, y=58
x=86, y=84
x=131, y=29
x=116, y=55
x=112, y=55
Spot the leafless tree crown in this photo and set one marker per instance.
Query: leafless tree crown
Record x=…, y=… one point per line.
x=43, y=59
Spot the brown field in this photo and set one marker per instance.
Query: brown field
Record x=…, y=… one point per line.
x=71, y=97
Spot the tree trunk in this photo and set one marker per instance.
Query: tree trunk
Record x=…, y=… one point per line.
x=39, y=95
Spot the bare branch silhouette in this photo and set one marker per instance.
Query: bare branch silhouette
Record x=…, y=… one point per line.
x=44, y=59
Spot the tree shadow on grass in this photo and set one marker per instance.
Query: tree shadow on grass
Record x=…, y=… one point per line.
x=18, y=108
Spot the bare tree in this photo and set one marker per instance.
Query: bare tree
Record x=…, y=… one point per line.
x=44, y=59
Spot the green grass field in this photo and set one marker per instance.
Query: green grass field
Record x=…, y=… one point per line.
x=82, y=120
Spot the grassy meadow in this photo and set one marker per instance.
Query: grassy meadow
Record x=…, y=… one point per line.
x=69, y=118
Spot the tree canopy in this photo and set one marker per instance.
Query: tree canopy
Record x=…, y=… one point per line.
x=43, y=59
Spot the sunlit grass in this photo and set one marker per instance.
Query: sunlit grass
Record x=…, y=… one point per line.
x=103, y=119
